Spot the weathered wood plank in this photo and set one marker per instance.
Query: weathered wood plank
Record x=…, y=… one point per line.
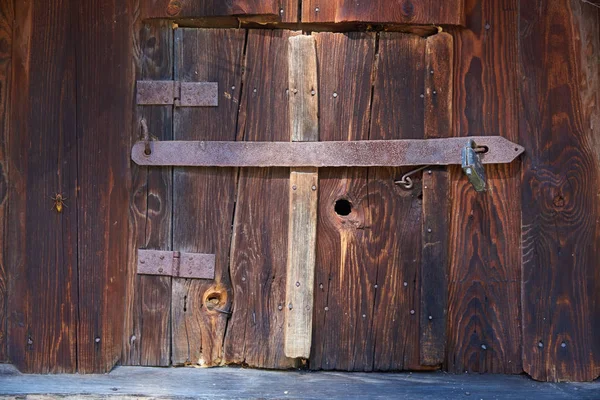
x=394, y=236
x=382, y=11
x=204, y=198
x=216, y=8
x=42, y=262
x=302, y=224
x=147, y=336
x=439, y=77
x=102, y=34
x=561, y=229
x=6, y=36
x=302, y=237
x=485, y=261
x=345, y=64
x=255, y=335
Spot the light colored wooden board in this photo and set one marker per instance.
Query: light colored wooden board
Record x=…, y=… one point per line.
x=302, y=230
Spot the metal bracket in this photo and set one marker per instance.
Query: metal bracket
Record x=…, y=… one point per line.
x=471, y=165
x=176, y=264
x=180, y=94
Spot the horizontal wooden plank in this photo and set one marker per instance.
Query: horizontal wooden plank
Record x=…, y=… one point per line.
x=363, y=153
x=207, y=8
x=448, y=12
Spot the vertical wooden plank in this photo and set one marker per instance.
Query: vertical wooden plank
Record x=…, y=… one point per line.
x=383, y=11
x=42, y=262
x=203, y=198
x=6, y=36
x=302, y=225
x=395, y=220
x=255, y=335
x=289, y=10
x=559, y=49
x=345, y=65
x=147, y=339
x=485, y=262
x=106, y=77
x=301, y=262
x=436, y=202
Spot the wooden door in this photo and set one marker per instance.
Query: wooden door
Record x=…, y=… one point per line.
x=376, y=240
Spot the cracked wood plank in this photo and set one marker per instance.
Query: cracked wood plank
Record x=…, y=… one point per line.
x=255, y=335
x=203, y=198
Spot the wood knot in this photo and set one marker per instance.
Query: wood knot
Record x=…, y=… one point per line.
x=559, y=201
x=174, y=8
x=215, y=300
x=408, y=9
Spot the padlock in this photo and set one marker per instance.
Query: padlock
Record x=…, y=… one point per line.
x=472, y=167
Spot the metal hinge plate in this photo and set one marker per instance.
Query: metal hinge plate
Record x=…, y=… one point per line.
x=180, y=94
x=176, y=264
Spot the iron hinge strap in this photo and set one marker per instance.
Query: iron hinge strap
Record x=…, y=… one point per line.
x=176, y=264
x=180, y=94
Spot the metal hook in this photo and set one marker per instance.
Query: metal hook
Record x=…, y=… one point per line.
x=406, y=181
x=145, y=137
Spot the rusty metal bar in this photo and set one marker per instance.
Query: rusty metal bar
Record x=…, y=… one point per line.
x=176, y=264
x=372, y=153
x=181, y=94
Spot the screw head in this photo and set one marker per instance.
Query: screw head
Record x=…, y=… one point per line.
x=297, y=284
x=97, y=340
x=335, y=95
x=314, y=188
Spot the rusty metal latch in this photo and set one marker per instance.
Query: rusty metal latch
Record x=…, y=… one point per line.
x=364, y=153
x=176, y=264
x=180, y=94
x=472, y=166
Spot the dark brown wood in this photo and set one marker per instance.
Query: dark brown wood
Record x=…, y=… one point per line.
x=255, y=335
x=485, y=260
x=394, y=234
x=342, y=290
x=147, y=339
x=561, y=173
x=203, y=200
x=274, y=10
x=383, y=11
x=102, y=38
x=6, y=36
x=42, y=262
x=439, y=57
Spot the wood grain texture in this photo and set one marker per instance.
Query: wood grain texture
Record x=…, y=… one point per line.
x=105, y=74
x=203, y=202
x=255, y=335
x=42, y=262
x=439, y=57
x=300, y=273
x=485, y=263
x=559, y=48
x=304, y=184
x=147, y=335
x=215, y=8
x=394, y=238
x=6, y=37
x=345, y=64
x=383, y=11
